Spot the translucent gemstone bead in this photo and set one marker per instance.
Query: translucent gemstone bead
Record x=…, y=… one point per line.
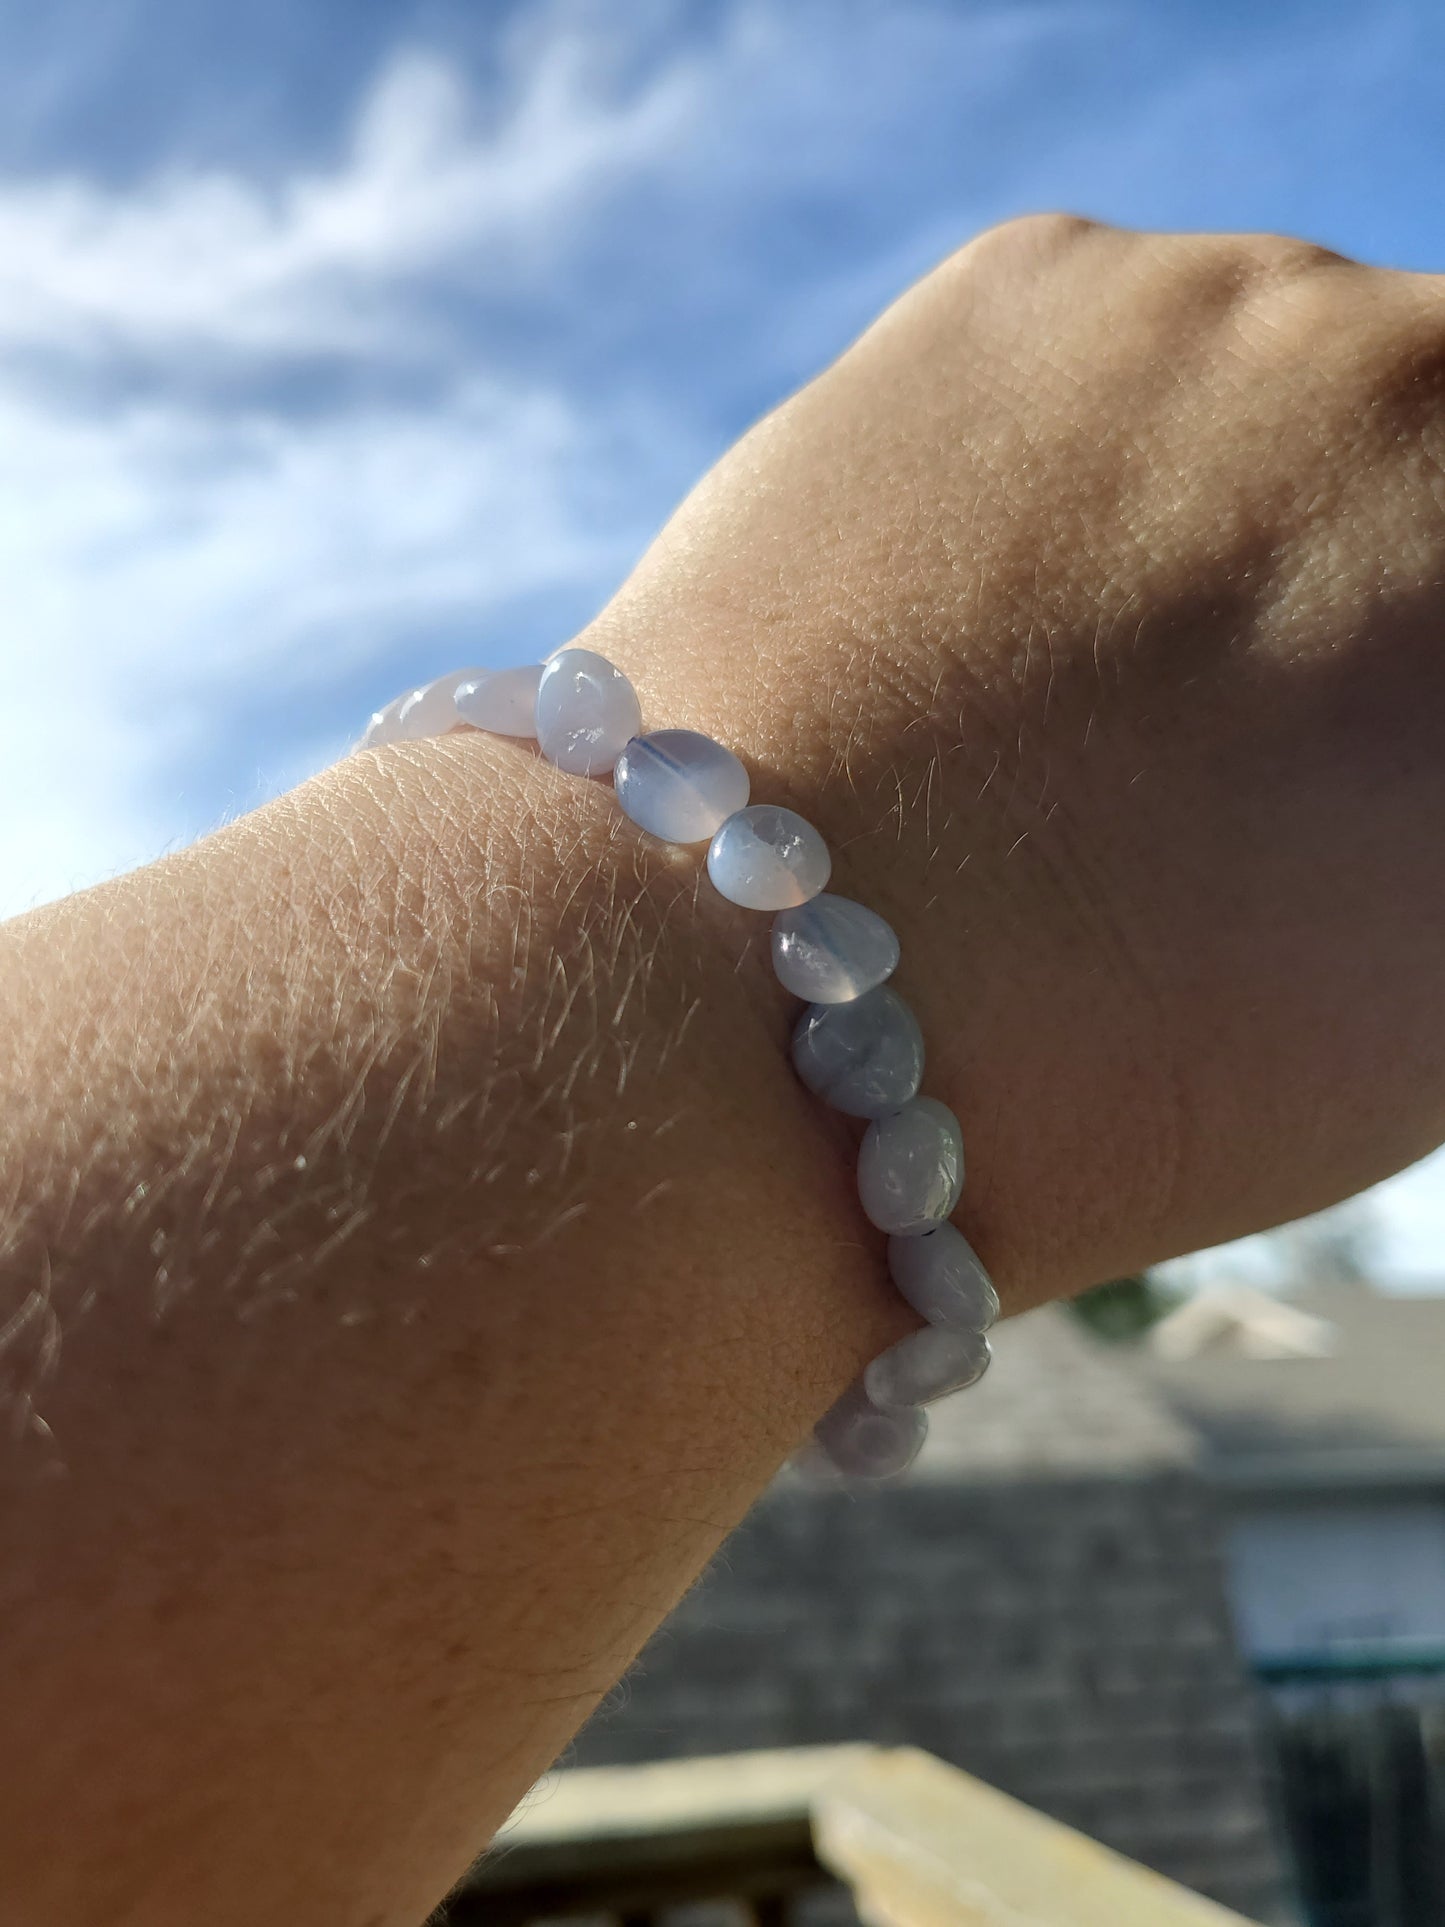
x=501, y=701
x=940, y=1276
x=587, y=712
x=859, y=1441
x=679, y=785
x=432, y=710
x=832, y=949
x=864, y=1058
x=768, y=858
x=924, y=1366
x=910, y=1169
x=385, y=725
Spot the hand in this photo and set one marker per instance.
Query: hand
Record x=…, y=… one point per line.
x=1094, y=603
x=417, y=1251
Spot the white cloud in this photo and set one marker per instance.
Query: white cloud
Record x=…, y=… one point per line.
x=170, y=557
x=322, y=262
x=176, y=551
x=161, y=572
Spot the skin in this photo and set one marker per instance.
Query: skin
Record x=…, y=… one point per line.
x=417, y=1254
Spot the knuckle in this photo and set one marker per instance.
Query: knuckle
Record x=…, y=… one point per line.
x=1281, y=259
x=1032, y=237
x=1402, y=362
x=1257, y=272
x=1367, y=341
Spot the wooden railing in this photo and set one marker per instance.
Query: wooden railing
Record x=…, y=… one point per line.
x=918, y=1843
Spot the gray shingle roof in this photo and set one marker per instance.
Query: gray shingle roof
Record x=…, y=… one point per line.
x=1056, y=1402
x=1378, y=1394
x=1041, y=1602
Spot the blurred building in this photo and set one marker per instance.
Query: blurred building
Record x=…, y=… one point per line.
x=1042, y=1602
x=1187, y=1596
x=1321, y=1423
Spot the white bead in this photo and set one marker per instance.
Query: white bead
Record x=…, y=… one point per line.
x=587, y=712
x=864, y=1058
x=385, y=725
x=857, y=1440
x=501, y=701
x=679, y=785
x=910, y=1167
x=940, y=1275
x=431, y=710
x=925, y=1366
x=768, y=858
x=832, y=950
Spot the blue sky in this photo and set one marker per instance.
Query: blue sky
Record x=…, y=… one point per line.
x=344, y=342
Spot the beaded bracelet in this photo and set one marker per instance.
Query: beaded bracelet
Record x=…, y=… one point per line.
x=857, y=1045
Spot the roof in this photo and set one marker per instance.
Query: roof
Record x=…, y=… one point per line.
x=1041, y=1603
x=1242, y=1321
x=1057, y=1402
x=1370, y=1394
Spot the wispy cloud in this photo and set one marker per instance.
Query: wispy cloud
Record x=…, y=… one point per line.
x=271, y=438
x=170, y=579
x=274, y=437
x=178, y=553
x=328, y=261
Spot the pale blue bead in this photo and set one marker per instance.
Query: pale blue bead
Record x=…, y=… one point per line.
x=385, y=725
x=858, y=1441
x=925, y=1366
x=587, y=711
x=910, y=1167
x=832, y=949
x=940, y=1275
x=431, y=710
x=768, y=858
x=679, y=785
x=863, y=1058
x=501, y=701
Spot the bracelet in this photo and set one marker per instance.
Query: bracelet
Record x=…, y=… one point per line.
x=857, y=1045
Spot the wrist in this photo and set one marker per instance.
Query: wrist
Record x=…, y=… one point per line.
x=943, y=813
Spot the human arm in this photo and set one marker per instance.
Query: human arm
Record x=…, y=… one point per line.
x=1090, y=607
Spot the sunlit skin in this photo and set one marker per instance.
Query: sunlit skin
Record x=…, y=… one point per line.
x=417, y=1253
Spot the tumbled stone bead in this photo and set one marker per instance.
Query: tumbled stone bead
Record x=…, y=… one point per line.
x=831, y=950
x=501, y=701
x=432, y=710
x=940, y=1275
x=925, y=1366
x=910, y=1167
x=679, y=785
x=385, y=725
x=859, y=1441
x=864, y=1058
x=587, y=711
x=768, y=858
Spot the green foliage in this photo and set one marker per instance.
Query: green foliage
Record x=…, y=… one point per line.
x=1124, y=1308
